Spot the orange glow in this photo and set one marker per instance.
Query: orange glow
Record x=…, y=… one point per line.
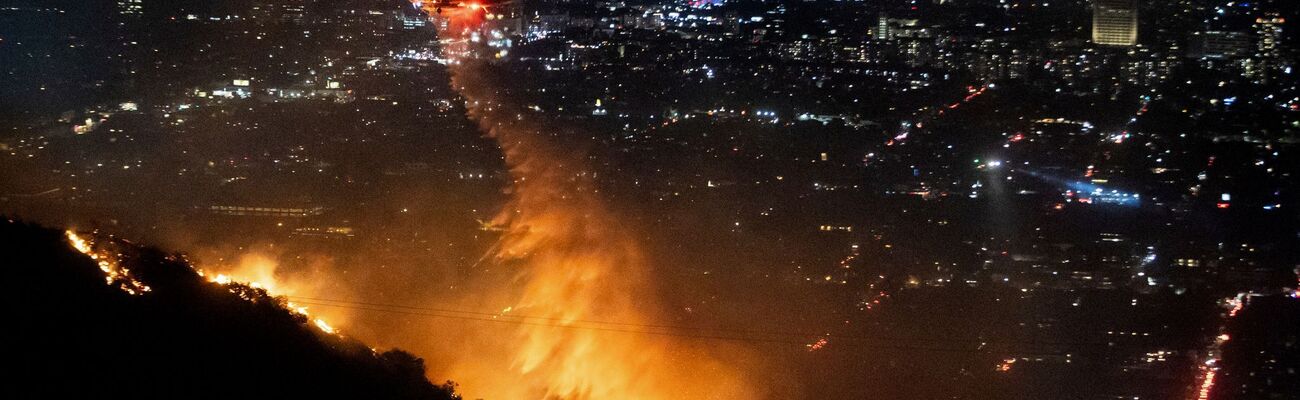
x=459, y=15
x=1207, y=384
x=117, y=275
x=575, y=262
x=114, y=273
x=324, y=327
x=1006, y=365
x=261, y=270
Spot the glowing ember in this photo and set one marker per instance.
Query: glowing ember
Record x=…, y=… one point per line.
x=324, y=327
x=114, y=273
x=1006, y=365
x=296, y=309
x=818, y=345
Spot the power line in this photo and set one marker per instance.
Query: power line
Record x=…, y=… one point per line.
x=728, y=334
x=546, y=318
x=634, y=331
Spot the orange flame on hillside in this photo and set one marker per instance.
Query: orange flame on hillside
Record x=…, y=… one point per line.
x=115, y=274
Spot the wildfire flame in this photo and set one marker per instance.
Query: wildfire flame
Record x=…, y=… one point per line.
x=458, y=13
x=117, y=275
x=114, y=273
x=576, y=262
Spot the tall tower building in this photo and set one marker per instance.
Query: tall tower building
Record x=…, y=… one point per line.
x=130, y=7
x=268, y=11
x=1115, y=22
x=882, y=27
x=1268, y=29
x=1220, y=45
x=1268, y=47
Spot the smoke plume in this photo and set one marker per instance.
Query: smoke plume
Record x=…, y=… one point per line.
x=576, y=263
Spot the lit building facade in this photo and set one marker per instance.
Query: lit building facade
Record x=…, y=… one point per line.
x=130, y=7
x=1115, y=22
x=1268, y=52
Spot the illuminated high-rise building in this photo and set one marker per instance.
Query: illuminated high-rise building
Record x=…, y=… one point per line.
x=130, y=7
x=1220, y=45
x=1268, y=47
x=882, y=27
x=1115, y=22
x=279, y=10
x=1268, y=29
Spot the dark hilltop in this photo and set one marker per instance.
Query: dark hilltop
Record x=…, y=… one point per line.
x=73, y=336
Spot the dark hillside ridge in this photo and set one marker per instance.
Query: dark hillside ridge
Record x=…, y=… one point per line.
x=73, y=336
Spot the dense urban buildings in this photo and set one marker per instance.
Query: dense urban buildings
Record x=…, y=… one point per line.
x=975, y=199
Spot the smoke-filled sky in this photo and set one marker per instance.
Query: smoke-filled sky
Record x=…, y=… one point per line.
x=611, y=213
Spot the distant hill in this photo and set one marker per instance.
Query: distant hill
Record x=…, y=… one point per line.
x=71, y=335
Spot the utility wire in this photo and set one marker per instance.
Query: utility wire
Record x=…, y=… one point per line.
x=730, y=334
x=647, y=332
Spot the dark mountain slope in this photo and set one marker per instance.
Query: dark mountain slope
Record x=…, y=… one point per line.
x=70, y=335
